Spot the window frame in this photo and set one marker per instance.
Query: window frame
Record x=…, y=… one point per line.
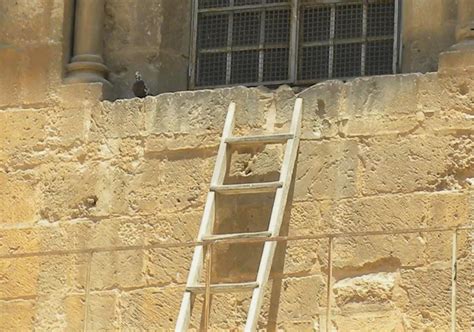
x=295, y=42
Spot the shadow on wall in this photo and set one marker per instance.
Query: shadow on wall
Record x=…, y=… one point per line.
x=149, y=36
x=239, y=262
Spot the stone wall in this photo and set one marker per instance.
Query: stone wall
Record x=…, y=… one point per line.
x=91, y=192
x=34, y=48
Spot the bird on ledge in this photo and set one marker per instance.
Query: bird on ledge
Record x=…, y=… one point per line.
x=139, y=88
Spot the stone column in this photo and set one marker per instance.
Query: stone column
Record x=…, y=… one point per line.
x=461, y=54
x=87, y=64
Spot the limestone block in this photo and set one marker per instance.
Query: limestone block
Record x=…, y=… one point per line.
x=387, y=95
x=175, y=144
x=41, y=71
x=391, y=212
x=62, y=274
x=115, y=232
x=58, y=278
x=19, y=240
x=84, y=96
x=103, y=311
x=17, y=315
x=72, y=190
x=171, y=185
x=306, y=218
x=389, y=252
x=117, y=269
x=122, y=118
x=236, y=262
x=323, y=101
x=404, y=164
x=205, y=110
x=10, y=84
x=168, y=265
x=29, y=22
x=18, y=190
x=309, y=325
x=69, y=190
x=258, y=164
x=326, y=170
x=48, y=237
x=150, y=308
x=305, y=257
x=227, y=311
x=372, y=290
x=464, y=279
x=68, y=128
x=300, y=298
x=245, y=213
x=430, y=300
x=22, y=133
x=74, y=312
x=460, y=88
x=19, y=277
x=431, y=94
x=179, y=227
x=384, y=321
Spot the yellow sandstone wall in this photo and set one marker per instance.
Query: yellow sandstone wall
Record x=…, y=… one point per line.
x=89, y=192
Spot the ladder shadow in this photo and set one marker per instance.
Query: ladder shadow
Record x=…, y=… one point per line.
x=276, y=274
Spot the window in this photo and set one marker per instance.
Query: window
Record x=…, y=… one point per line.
x=253, y=42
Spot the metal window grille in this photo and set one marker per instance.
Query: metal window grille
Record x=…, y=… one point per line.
x=253, y=42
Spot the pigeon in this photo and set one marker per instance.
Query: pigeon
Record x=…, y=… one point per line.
x=139, y=88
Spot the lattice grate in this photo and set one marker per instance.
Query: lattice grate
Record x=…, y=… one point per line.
x=275, y=64
x=379, y=57
x=246, y=28
x=314, y=63
x=212, y=31
x=316, y=24
x=277, y=26
x=244, y=67
x=212, y=69
x=248, y=41
x=348, y=21
x=380, y=19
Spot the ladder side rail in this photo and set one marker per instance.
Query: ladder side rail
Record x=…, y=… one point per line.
x=276, y=218
x=207, y=222
x=221, y=160
x=196, y=268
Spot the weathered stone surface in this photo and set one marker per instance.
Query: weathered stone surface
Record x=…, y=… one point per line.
x=428, y=290
x=19, y=277
x=115, y=177
x=22, y=132
x=17, y=315
x=427, y=165
x=103, y=311
x=374, y=289
x=18, y=190
x=327, y=170
x=150, y=308
x=117, y=270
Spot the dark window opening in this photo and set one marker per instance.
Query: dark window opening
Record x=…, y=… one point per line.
x=254, y=42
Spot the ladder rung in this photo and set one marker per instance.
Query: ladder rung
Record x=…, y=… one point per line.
x=224, y=288
x=246, y=188
x=261, y=139
x=247, y=235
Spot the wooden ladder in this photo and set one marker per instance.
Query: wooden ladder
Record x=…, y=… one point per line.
x=281, y=189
